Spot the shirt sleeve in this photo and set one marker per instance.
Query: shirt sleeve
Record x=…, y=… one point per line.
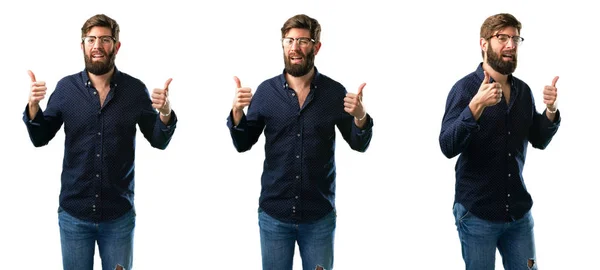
x=358, y=139
x=155, y=131
x=43, y=127
x=248, y=130
x=542, y=130
x=458, y=123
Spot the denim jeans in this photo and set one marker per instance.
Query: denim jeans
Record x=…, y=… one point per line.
x=78, y=239
x=479, y=239
x=278, y=239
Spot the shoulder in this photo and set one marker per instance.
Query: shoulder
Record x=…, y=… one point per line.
x=129, y=81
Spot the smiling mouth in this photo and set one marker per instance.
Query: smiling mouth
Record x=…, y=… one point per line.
x=98, y=55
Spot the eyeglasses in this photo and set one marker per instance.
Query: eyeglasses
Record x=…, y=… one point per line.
x=503, y=39
x=91, y=40
x=302, y=41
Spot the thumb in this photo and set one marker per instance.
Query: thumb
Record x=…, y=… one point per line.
x=554, y=81
x=238, y=84
x=167, y=83
x=486, y=78
x=31, y=75
x=360, y=89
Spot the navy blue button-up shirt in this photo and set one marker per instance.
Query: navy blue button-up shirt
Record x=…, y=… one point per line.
x=298, y=179
x=489, y=180
x=97, y=180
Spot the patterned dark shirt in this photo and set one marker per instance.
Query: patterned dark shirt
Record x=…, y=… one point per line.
x=298, y=179
x=97, y=180
x=489, y=179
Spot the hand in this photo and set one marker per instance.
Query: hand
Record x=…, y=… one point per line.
x=353, y=103
x=489, y=94
x=550, y=94
x=243, y=96
x=38, y=90
x=160, y=99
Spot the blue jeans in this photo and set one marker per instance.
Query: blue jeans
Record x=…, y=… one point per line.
x=278, y=239
x=78, y=239
x=479, y=239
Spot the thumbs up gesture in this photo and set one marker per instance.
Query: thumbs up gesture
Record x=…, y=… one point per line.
x=353, y=103
x=550, y=94
x=36, y=94
x=160, y=99
x=489, y=94
x=38, y=90
x=243, y=95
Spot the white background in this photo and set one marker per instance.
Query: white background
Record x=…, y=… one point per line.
x=196, y=201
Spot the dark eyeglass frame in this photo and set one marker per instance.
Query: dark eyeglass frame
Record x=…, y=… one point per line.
x=518, y=40
x=103, y=39
x=301, y=41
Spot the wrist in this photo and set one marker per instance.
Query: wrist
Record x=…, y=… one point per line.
x=361, y=118
x=551, y=109
x=165, y=114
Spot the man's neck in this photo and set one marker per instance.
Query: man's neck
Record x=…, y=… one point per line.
x=101, y=81
x=301, y=82
x=498, y=77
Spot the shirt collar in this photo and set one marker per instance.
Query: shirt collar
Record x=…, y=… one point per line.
x=113, y=80
x=313, y=83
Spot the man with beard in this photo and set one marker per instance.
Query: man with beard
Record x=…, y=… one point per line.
x=100, y=107
x=298, y=111
x=489, y=119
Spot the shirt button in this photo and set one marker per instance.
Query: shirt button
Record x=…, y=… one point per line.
x=97, y=175
x=509, y=175
x=507, y=206
x=96, y=195
x=297, y=176
x=298, y=135
x=508, y=194
x=509, y=133
x=509, y=154
x=94, y=92
x=506, y=209
x=296, y=197
x=98, y=155
x=94, y=209
x=94, y=206
x=297, y=156
x=293, y=94
x=293, y=207
x=99, y=133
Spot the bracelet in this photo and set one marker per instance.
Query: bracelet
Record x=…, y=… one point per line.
x=165, y=115
x=550, y=111
x=361, y=117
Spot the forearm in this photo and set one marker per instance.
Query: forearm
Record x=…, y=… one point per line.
x=476, y=108
x=33, y=109
x=236, y=116
x=456, y=132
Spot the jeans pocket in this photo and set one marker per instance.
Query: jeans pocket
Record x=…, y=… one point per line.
x=460, y=212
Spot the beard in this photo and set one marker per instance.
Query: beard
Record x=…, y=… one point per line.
x=499, y=65
x=299, y=70
x=100, y=67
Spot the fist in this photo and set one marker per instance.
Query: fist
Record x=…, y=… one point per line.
x=353, y=103
x=243, y=95
x=489, y=94
x=160, y=98
x=38, y=90
x=550, y=94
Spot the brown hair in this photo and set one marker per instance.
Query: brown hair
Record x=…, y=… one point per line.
x=101, y=20
x=496, y=23
x=304, y=22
